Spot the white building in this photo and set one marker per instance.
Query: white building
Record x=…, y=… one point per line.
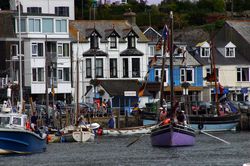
x=58, y=7
x=108, y=50
x=46, y=42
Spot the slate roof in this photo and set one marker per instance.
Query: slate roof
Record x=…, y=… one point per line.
x=117, y=87
x=242, y=27
x=122, y=27
x=7, y=21
x=220, y=59
x=152, y=35
x=177, y=61
x=133, y=52
x=92, y=52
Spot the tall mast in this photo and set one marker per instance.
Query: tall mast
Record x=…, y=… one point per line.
x=77, y=78
x=171, y=63
x=20, y=57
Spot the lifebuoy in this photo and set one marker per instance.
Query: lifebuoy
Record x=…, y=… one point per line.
x=200, y=126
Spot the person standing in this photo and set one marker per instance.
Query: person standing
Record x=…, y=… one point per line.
x=108, y=105
x=111, y=122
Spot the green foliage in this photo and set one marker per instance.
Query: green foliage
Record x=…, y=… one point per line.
x=210, y=28
x=186, y=13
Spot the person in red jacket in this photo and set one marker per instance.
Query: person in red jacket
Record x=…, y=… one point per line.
x=99, y=134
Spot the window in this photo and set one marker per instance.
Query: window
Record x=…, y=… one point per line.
x=151, y=50
x=113, y=68
x=94, y=41
x=88, y=68
x=205, y=51
x=37, y=49
x=34, y=10
x=208, y=70
x=243, y=74
x=125, y=67
x=63, y=50
x=48, y=25
x=61, y=25
x=60, y=74
x=37, y=74
x=66, y=75
x=23, y=25
x=113, y=42
x=62, y=11
x=131, y=41
x=135, y=67
x=158, y=75
x=13, y=50
x=34, y=25
x=16, y=121
x=99, y=68
x=230, y=52
x=187, y=74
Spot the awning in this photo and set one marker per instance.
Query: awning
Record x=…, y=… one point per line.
x=179, y=88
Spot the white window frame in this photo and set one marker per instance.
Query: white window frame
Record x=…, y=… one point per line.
x=206, y=52
x=60, y=54
x=55, y=23
x=151, y=51
x=37, y=72
x=229, y=52
x=183, y=75
x=115, y=42
x=60, y=74
x=160, y=74
x=240, y=71
x=40, y=25
x=36, y=53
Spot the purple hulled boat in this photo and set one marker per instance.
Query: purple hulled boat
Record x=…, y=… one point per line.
x=171, y=134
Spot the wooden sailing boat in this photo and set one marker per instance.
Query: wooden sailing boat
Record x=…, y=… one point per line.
x=218, y=121
x=171, y=134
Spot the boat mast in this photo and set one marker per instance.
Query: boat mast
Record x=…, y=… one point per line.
x=214, y=75
x=20, y=57
x=77, y=79
x=171, y=64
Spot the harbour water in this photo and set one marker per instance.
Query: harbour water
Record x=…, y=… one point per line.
x=114, y=151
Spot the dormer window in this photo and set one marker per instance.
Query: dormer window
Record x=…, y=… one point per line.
x=113, y=42
x=230, y=50
x=131, y=40
x=205, y=52
x=94, y=41
x=204, y=49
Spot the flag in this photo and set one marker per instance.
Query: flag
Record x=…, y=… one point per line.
x=165, y=32
x=221, y=88
x=158, y=44
x=153, y=61
x=141, y=89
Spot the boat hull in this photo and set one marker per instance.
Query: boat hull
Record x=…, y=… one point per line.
x=21, y=141
x=211, y=123
x=171, y=136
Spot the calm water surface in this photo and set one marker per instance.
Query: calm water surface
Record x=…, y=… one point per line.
x=114, y=151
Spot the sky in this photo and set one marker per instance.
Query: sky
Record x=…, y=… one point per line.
x=150, y=2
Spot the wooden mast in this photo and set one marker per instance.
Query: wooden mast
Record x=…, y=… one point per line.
x=171, y=65
x=214, y=75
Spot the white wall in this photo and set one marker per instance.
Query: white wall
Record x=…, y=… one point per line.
x=48, y=6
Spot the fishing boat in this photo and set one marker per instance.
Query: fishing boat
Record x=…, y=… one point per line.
x=171, y=134
x=222, y=114
x=15, y=138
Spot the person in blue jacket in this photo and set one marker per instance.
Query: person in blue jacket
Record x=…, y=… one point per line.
x=111, y=122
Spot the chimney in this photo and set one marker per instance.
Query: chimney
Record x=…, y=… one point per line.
x=131, y=17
